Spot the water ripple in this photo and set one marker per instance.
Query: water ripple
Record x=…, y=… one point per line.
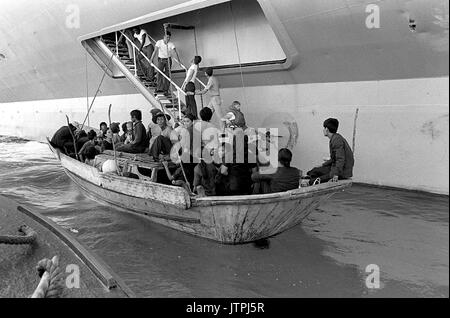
x=405, y=233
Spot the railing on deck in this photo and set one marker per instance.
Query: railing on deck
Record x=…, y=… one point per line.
x=179, y=90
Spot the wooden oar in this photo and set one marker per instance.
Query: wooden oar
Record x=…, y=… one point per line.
x=112, y=140
x=73, y=137
x=184, y=174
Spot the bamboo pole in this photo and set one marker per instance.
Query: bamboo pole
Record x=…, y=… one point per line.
x=112, y=140
x=73, y=138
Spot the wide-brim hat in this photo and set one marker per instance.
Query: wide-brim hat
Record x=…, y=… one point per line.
x=159, y=114
x=155, y=111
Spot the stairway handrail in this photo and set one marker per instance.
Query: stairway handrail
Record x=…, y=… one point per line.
x=151, y=63
x=163, y=108
x=179, y=63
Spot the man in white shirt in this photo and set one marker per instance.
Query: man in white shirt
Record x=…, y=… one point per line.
x=213, y=90
x=146, y=47
x=164, y=49
x=191, y=74
x=206, y=135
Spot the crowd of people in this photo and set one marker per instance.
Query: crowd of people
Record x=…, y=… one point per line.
x=203, y=168
x=207, y=164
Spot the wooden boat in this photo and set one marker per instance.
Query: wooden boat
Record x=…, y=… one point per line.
x=230, y=219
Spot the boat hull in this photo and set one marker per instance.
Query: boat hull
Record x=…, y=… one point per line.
x=228, y=220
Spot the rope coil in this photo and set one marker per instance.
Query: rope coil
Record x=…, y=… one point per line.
x=28, y=237
x=51, y=284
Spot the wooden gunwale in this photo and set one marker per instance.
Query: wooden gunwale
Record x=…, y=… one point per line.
x=262, y=199
x=296, y=194
x=74, y=178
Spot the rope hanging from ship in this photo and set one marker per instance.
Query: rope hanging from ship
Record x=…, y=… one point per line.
x=238, y=55
x=99, y=86
x=28, y=237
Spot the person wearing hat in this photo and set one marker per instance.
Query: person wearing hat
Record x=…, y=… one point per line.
x=155, y=130
x=162, y=135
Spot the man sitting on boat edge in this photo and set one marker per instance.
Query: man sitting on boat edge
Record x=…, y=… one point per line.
x=63, y=139
x=340, y=164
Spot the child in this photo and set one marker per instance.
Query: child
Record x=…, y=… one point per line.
x=129, y=134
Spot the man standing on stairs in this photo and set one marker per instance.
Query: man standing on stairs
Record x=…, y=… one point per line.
x=191, y=74
x=164, y=49
x=213, y=89
x=146, y=47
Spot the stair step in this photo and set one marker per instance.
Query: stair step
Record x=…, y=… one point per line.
x=110, y=42
x=114, y=44
x=121, y=48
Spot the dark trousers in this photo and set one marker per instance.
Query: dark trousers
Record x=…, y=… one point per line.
x=164, y=66
x=321, y=172
x=262, y=187
x=191, y=106
x=149, y=71
x=161, y=146
x=68, y=147
x=129, y=148
x=107, y=145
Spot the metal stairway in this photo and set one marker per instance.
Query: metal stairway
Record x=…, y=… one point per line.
x=119, y=55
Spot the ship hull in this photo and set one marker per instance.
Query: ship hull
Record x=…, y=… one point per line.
x=388, y=86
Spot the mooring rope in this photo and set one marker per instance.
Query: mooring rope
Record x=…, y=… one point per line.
x=51, y=284
x=28, y=237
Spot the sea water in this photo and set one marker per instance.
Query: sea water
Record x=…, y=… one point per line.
x=364, y=242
